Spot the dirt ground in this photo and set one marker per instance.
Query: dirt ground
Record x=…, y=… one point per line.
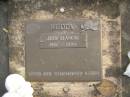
x=4, y=51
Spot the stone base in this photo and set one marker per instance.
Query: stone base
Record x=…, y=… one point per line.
x=22, y=11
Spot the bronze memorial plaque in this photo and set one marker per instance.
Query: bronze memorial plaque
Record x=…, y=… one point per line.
x=63, y=50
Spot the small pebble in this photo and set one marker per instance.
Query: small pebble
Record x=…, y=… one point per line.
x=62, y=9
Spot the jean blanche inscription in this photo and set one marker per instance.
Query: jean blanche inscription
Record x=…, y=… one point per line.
x=63, y=36
x=63, y=50
x=63, y=39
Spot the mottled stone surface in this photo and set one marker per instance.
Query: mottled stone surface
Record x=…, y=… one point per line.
x=22, y=11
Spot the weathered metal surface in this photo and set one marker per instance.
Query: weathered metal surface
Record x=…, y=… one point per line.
x=63, y=50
